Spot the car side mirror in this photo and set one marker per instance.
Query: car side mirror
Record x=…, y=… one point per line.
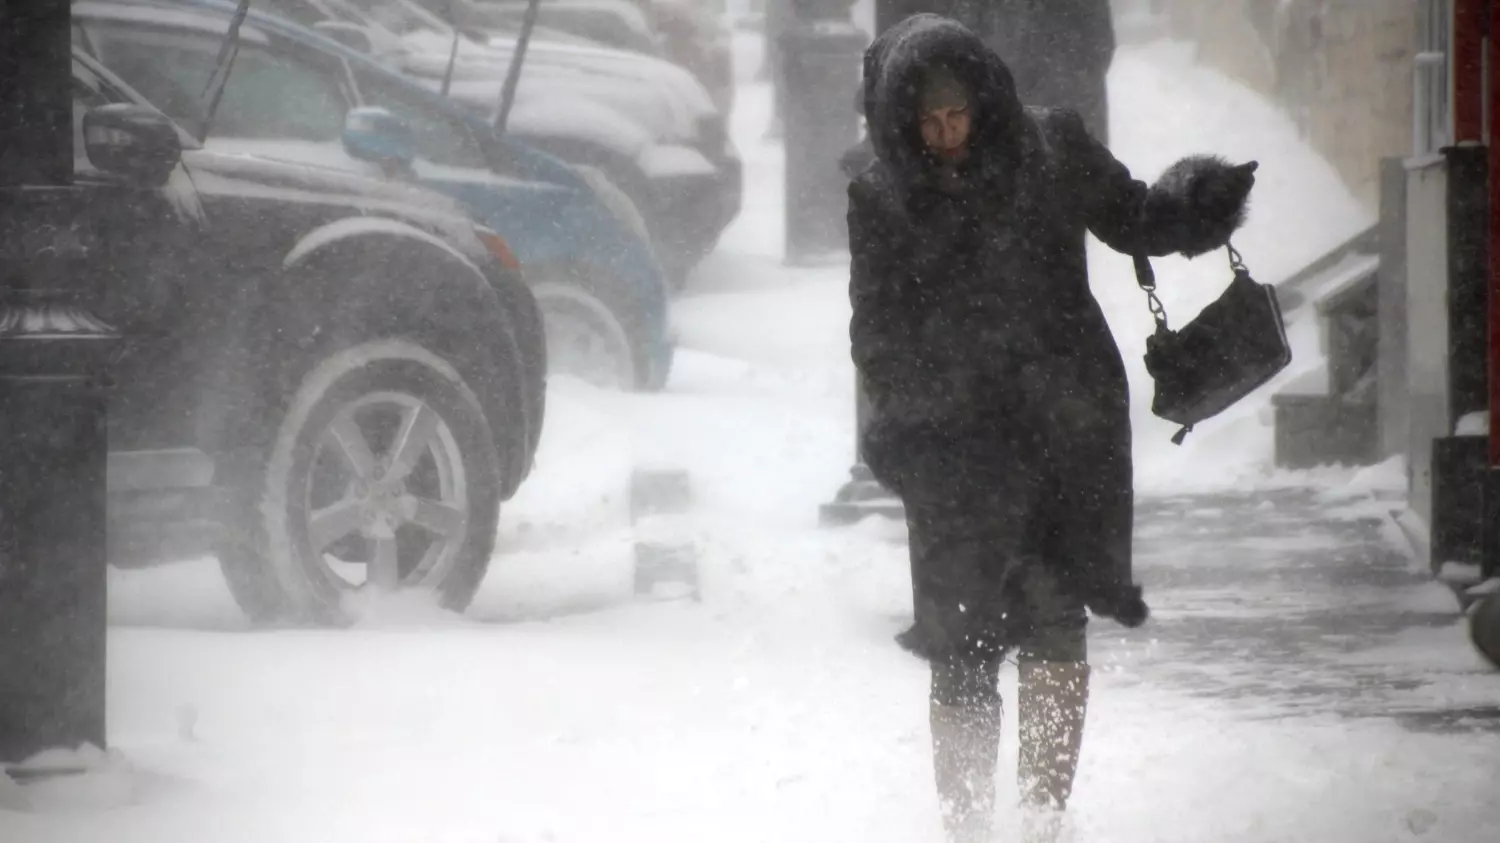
x=378, y=136
x=351, y=35
x=134, y=141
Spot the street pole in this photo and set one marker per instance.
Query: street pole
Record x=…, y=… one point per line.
x=820, y=55
x=52, y=411
x=1484, y=616
x=862, y=495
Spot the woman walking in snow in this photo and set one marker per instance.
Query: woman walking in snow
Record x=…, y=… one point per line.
x=1000, y=411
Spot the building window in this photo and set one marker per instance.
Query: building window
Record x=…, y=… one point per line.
x=1432, y=93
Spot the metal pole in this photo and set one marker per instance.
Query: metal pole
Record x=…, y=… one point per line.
x=1493, y=344
x=1491, y=536
x=820, y=63
x=1484, y=617
x=52, y=541
x=862, y=496
x=52, y=412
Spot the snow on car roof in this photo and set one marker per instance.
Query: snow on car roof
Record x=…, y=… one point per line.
x=177, y=18
x=623, y=10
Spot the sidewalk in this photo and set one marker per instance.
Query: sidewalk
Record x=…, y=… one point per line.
x=1290, y=606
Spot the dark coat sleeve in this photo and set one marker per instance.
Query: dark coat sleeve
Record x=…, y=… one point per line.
x=879, y=332
x=1172, y=216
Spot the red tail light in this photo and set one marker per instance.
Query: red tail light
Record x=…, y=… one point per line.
x=500, y=249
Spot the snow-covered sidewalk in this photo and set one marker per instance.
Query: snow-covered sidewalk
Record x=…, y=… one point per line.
x=1253, y=708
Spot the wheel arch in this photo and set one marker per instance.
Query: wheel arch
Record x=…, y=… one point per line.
x=408, y=281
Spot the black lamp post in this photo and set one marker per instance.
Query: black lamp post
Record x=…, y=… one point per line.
x=820, y=54
x=52, y=410
x=862, y=495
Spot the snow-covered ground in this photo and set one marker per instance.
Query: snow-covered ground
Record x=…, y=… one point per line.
x=777, y=709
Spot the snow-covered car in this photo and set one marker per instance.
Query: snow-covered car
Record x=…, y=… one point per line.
x=581, y=243
x=648, y=124
x=331, y=382
x=680, y=31
x=624, y=24
x=698, y=39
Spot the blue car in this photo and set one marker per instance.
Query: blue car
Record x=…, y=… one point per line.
x=296, y=95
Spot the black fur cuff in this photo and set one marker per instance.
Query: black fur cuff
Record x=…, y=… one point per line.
x=1197, y=205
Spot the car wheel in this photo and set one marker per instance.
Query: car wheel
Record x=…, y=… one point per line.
x=382, y=475
x=585, y=338
x=1484, y=627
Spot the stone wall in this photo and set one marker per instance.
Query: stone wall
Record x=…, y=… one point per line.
x=1342, y=69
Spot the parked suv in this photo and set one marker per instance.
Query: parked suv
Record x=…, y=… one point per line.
x=581, y=243
x=332, y=382
x=648, y=124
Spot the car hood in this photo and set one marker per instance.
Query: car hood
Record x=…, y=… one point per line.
x=330, y=156
x=287, y=173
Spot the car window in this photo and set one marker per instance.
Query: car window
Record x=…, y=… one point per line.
x=440, y=139
x=270, y=95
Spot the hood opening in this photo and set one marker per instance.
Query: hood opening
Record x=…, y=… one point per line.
x=895, y=68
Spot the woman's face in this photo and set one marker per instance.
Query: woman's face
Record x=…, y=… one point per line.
x=945, y=130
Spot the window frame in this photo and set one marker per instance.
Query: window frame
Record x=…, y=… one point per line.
x=1432, y=79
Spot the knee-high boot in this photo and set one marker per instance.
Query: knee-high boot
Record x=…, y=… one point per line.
x=1053, y=699
x=965, y=750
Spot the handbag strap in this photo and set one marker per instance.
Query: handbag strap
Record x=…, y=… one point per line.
x=1146, y=277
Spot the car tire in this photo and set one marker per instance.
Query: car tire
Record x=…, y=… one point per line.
x=586, y=338
x=334, y=481
x=1484, y=627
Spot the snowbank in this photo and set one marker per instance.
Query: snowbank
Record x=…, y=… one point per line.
x=777, y=709
x=1164, y=106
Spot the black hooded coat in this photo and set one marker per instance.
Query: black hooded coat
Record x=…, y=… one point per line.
x=991, y=372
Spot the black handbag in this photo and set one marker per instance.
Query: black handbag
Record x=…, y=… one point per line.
x=1234, y=347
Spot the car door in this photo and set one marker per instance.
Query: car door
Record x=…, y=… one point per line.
x=147, y=255
x=265, y=174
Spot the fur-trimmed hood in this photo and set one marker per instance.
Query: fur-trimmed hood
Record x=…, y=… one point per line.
x=1003, y=136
